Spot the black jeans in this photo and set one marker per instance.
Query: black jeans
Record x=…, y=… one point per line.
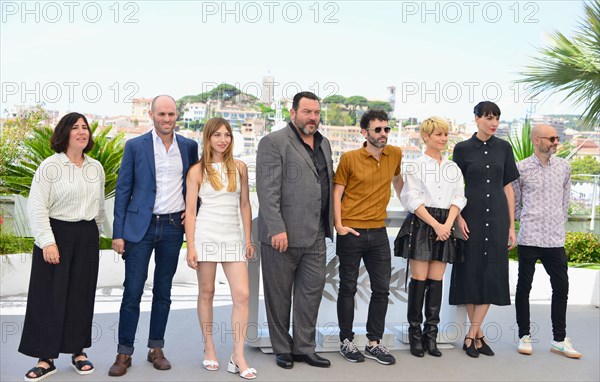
x=555, y=263
x=373, y=247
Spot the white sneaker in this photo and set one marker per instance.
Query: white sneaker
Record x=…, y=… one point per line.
x=565, y=348
x=525, y=346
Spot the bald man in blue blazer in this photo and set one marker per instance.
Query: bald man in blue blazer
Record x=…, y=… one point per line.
x=148, y=216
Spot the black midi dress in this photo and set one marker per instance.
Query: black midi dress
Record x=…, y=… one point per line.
x=482, y=278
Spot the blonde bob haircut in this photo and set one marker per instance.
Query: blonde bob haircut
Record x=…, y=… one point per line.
x=429, y=125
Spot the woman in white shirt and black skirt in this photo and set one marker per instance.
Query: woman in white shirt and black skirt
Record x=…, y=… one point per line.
x=66, y=212
x=433, y=194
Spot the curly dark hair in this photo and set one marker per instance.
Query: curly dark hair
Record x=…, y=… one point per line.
x=372, y=115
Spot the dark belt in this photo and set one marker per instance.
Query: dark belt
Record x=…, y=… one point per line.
x=167, y=217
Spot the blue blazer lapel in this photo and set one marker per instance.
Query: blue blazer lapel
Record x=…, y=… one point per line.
x=185, y=155
x=149, y=149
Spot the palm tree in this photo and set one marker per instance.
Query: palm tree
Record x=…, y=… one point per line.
x=522, y=146
x=18, y=175
x=572, y=65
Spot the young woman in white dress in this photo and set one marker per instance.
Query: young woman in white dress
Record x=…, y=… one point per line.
x=215, y=236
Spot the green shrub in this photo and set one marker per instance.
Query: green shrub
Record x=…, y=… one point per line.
x=582, y=247
x=105, y=242
x=15, y=244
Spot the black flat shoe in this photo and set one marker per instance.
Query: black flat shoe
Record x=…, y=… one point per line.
x=285, y=360
x=471, y=349
x=484, y=349
x=312, y=359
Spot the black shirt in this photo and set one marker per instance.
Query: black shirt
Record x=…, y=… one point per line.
x=318, y=158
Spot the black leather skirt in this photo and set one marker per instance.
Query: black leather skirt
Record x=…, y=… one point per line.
x=416, y=240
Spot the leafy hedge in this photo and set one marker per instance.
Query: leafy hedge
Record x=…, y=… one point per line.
x=16, y=244
x=582, y=247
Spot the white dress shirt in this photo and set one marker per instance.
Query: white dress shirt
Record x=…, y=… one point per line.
x=64, y=191
x=429, y=183
x=169, y=177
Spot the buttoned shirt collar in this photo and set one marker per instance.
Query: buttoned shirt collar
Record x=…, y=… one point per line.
x=65, y=159
x=431, y=159
x=156, y=139
x=365, y=154
x=478, y=142
x=539, y=162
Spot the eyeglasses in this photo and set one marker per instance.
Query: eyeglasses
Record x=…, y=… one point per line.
x=552, y=139
x=377, y=130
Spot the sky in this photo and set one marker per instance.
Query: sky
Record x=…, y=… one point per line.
x=442, y=56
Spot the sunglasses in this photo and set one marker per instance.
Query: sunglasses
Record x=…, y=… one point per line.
x=377, y=130
x=552, y=139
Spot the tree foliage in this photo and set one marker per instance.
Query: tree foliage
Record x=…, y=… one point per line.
x=13, y=133
x=336, y=98
x=565, y=149
x=572, y=66
x=223, y=92
x=337, y=116
x=379, y=105
x=356, y=101
x=586, y=165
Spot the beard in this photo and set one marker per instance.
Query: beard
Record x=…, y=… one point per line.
x=379, y=143
x=548, y=150
x=304, y=129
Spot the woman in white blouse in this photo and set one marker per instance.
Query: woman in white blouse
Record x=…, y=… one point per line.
x=66, y=212
x=433, y=194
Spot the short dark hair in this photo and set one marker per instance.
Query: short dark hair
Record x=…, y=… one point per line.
x=60, y=137
x=372, y=115
x=485, y=108
x=299, y=96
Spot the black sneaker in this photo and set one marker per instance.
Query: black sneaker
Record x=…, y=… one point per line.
x=349, y=351
x=380, y=354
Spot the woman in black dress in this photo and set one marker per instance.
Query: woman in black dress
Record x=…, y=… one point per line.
x=487, y=223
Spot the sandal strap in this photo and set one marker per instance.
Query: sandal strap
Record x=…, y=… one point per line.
x=39, y=371
x=47, y=360
x=81, y=353
x=84, y=362
x=249, y=370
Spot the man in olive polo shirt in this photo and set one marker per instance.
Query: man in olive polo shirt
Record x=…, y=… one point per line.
x=361, y=193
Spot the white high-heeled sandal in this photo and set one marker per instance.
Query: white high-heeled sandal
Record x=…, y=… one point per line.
x=234, y=369
x=210, y=365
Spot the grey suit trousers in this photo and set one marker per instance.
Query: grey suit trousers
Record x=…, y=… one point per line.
x=303, y=271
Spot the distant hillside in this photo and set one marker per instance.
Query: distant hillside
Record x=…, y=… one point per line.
x=357, y=101
x=223, y=92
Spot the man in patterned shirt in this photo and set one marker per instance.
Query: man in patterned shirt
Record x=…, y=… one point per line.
x=541, y=204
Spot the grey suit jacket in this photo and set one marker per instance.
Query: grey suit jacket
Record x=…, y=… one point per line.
x=288, y=189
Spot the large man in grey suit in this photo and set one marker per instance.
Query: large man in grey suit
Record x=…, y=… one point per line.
x=294, y=184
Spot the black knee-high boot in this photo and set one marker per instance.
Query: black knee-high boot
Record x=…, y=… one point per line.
x=433, y=301
x=416, y=294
